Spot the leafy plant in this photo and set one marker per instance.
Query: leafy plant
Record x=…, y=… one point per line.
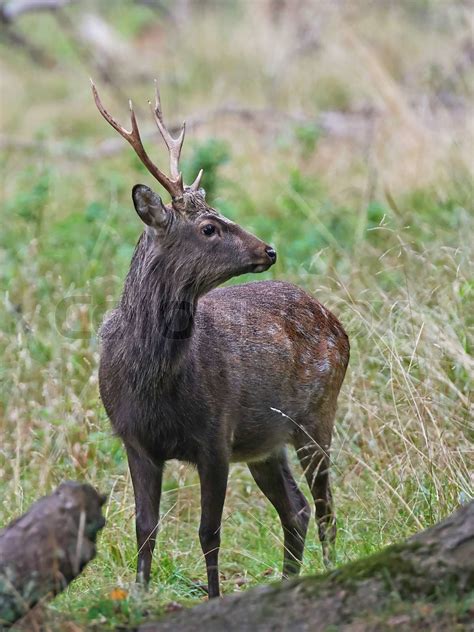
x=210, y=156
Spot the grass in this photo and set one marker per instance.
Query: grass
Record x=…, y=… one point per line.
x=378, y=226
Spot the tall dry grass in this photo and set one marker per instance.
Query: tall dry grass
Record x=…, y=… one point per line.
x=375, y=218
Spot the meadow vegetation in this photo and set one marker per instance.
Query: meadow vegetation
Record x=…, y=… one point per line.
x=354, y=162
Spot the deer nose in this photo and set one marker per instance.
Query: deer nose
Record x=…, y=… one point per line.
x=271, y=252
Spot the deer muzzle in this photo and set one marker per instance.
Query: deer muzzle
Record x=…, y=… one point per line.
x=268, y=259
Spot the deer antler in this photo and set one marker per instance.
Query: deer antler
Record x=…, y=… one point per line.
x=174, y=144
x=173, y=185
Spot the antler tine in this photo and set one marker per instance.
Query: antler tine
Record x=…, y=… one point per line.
x=175, y=186
x=197, y=181
x=174, y=144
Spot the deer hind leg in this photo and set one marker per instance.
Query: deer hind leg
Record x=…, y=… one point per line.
x=274, y=478
x=146, y=480
x=313, y=454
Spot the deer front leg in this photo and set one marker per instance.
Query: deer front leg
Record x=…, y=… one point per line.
x=213, y=475
x=146, y=480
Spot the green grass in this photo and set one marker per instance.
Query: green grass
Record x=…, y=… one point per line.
x=379, y=230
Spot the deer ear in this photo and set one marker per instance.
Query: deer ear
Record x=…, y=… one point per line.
x=149, y=206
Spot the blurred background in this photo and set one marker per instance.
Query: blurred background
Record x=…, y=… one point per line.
x=341, y=133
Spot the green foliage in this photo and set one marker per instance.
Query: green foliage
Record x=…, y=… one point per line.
x=307, y=135
x=330, y=93
x=391, y=260
x=209, y=156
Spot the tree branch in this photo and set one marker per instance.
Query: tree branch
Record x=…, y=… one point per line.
x=10, y=11
x=336, y=124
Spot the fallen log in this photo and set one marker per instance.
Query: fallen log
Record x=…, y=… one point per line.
x=425, y=583
x=45, y=549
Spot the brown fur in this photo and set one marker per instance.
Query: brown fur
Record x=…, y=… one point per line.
x=210, y=376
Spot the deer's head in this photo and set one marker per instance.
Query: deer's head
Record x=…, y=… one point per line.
x=200, y=244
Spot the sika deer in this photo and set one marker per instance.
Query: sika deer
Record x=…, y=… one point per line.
x=209, y=376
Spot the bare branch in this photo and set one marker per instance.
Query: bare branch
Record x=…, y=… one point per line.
x=335, y=124
x=13, y=10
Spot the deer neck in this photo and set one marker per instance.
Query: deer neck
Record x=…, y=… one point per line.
x=158, y=307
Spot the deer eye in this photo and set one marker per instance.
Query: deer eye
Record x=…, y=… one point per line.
x=208, y=229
